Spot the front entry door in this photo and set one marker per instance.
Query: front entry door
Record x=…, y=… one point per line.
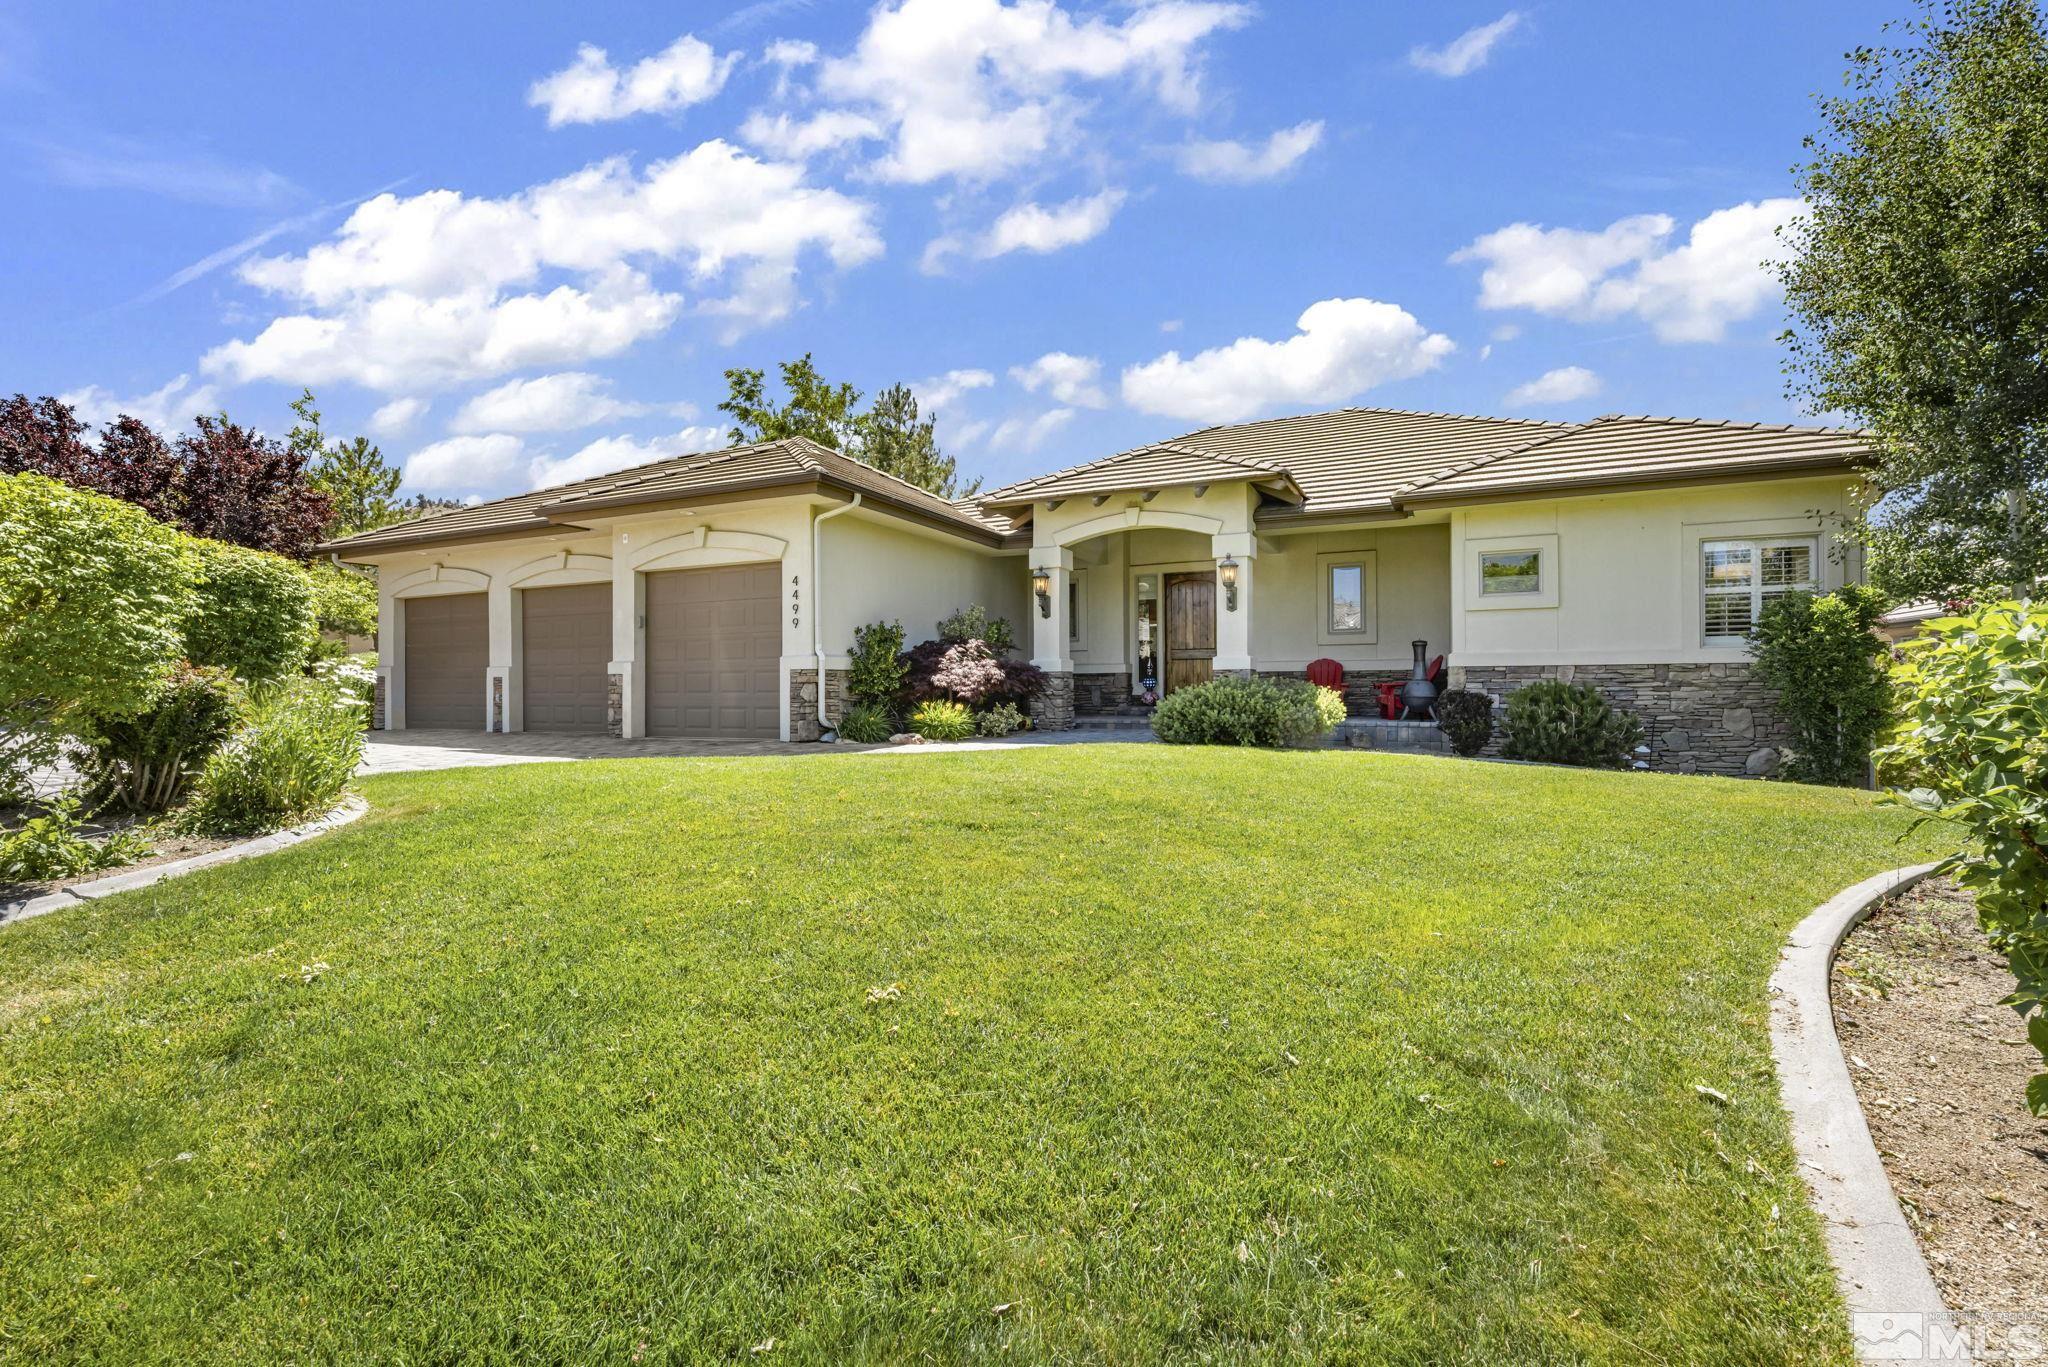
x=1190, y=629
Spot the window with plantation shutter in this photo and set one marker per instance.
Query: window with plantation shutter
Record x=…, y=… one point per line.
x=1738, y=577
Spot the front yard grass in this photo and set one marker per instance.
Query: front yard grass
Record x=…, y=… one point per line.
x=1094, y=1053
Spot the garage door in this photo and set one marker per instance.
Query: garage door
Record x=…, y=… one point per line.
x=568, y=642
x=714, y=649
x=447, y=656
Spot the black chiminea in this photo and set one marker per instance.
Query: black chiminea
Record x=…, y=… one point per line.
x=1420, y=692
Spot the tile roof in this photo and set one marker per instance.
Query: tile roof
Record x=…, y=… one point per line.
x=1618, y=450
x=1161, y=465
x=1353, y=461
x=759, y=465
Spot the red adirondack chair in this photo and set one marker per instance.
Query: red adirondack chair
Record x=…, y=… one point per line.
x=1326, y=674
x=1390, y=693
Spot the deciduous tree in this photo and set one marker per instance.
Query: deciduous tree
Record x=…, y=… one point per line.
x=1918, y=284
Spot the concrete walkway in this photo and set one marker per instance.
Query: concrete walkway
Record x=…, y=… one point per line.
x=395, y=752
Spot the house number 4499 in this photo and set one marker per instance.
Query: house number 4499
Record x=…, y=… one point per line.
x=796, y=616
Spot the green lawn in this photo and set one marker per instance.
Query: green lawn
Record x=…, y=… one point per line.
x=1198, y=1054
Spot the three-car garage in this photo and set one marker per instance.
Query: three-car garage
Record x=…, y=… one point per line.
x=711, y=647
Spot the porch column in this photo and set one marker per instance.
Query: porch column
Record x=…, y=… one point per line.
x=502, y=673
x=625, y=693
x=1054, y=709
x=390, y=696
x=1234, y=624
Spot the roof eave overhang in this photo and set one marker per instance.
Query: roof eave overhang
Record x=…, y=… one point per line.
x=1280, y=486
x=1748, y=474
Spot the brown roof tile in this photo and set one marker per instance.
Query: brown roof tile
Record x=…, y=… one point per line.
x=1624, y=451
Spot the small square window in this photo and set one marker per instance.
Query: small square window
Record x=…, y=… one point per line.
x=1506, y=573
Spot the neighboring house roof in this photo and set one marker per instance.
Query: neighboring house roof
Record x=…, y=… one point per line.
x=759, y=467
x=1626, y=452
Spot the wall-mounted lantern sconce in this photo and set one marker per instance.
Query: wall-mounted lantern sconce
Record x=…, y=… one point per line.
x=1041, y=585
x=1226, y=570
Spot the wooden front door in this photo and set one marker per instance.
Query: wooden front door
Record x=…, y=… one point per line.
x=1190, y=628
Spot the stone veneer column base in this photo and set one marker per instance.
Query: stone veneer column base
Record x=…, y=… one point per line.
x=803, y=701
x=1697, y=718
x=377, y=705
x=1053, y=710
x=498, y=702
x=615, y=704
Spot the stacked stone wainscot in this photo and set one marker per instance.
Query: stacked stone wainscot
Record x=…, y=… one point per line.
x=803, y=701
x=1053, y=710
x=1697, y=718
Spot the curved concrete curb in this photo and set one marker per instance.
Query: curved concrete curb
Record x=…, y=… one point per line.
x=349, y=809
x=1878, y=1265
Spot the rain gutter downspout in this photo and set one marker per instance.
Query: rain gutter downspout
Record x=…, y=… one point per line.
x=818, y=601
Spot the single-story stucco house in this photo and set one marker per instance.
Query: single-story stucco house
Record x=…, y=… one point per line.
x=703, y=595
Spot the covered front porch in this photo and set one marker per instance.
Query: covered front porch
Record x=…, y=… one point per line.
x=1136, y=595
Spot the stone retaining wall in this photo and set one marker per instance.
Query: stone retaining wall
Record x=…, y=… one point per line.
x=1699, y=718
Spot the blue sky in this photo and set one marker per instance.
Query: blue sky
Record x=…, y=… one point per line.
x=517, y=259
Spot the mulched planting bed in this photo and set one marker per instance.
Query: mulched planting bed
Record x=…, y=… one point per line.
x=167, y=847
x=1941, y=1069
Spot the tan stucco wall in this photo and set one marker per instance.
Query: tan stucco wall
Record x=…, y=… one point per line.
x=877, y=570
x=1409, y=592
x=1628, y=570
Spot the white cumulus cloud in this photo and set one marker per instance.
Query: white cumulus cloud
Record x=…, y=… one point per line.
x=1027, y=432
x=499, y=463
x=1689, y=292
x=941, y=390
x=1231, y=162
x=1067, y=378
x=545, y=403
x=783, y=136
x=974, y=89
x=591, y=90
x=1566, y=384
x=1467, y=52
x=168, y=409
x=441, y=287
x=1031, y=227
x=397, y=417
x=1342, y=348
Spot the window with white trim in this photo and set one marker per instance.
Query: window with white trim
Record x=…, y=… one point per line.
x=1738, y=577
x=1344, y=597
x=1510, y=573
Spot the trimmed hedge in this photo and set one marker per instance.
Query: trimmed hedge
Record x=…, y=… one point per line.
x=1233, y=711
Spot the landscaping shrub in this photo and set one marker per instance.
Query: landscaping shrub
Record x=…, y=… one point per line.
x=974, y=624
x=142, y=761
x=968, y=672
x=877, y=672
x=940, y=720
x=1466, y=717
x=1971, y=749
x=354, y=677
x=93, y=600
x=1824, y=659
x=1233, y=711
x=867, y=723
x=344, y=599
x=253, y=615
x=290, y=759
x=999, y=720
x=1554, y=722
x=54, y=845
